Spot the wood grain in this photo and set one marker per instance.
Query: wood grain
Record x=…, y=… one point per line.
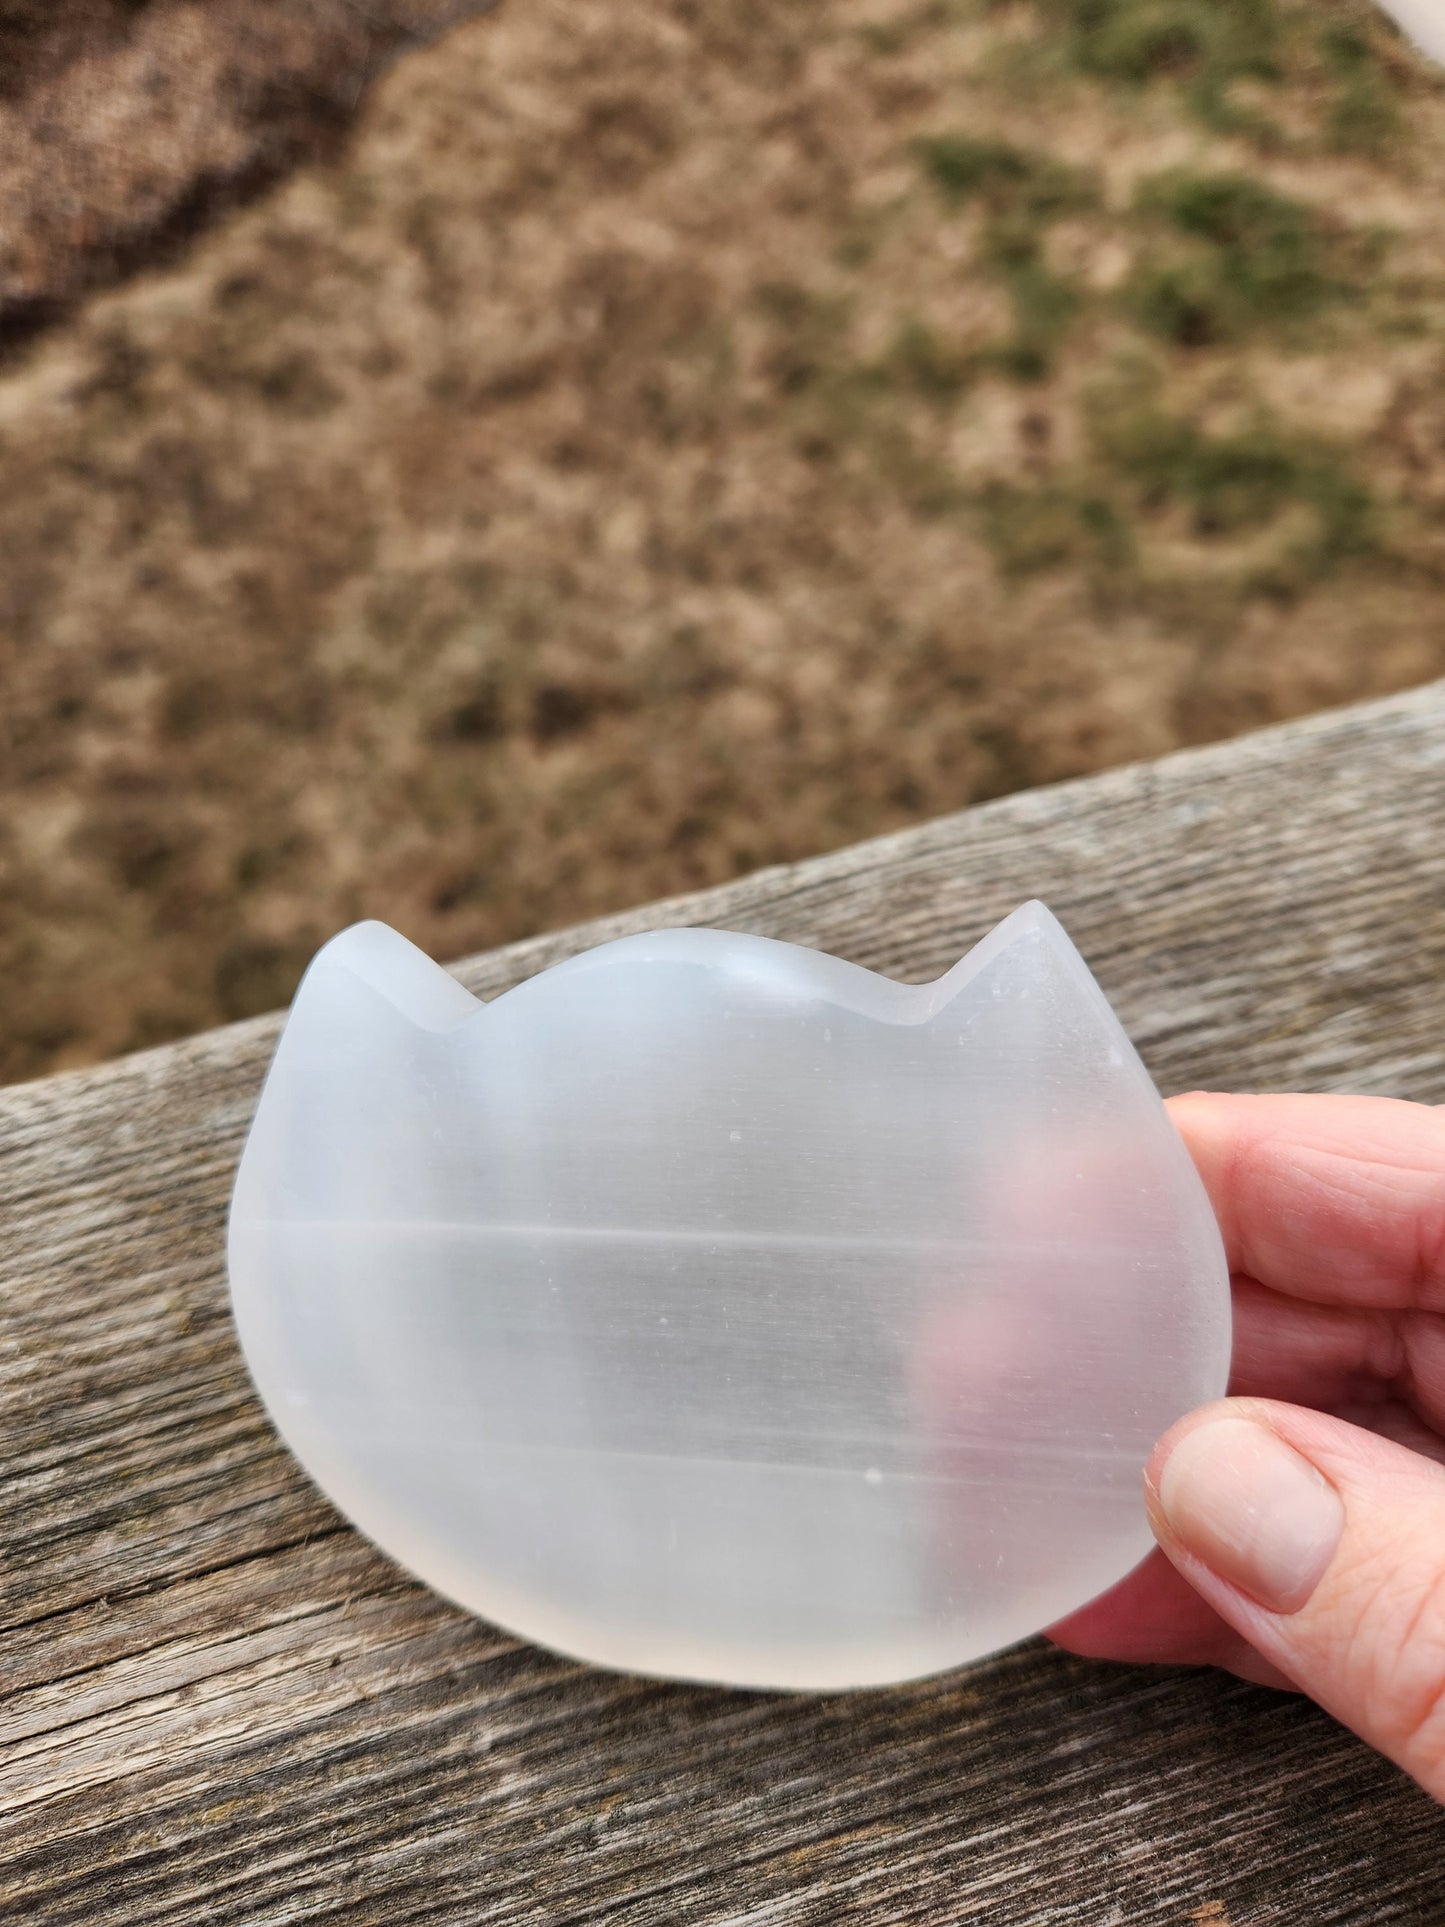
x=217, y=1703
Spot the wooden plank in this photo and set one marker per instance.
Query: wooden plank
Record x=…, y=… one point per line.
x=217, y=1703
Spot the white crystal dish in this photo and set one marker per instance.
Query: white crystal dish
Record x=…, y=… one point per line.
x=1423, y=21
x=712, y=1308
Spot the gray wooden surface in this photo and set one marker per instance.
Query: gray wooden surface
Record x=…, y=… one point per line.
x=217, y=1704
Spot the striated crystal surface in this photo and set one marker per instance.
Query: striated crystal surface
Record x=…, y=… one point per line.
x=710, y=1307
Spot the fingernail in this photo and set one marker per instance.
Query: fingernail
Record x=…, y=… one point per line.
x=1252, y=1510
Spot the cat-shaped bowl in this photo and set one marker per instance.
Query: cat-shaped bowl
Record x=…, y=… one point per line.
x=713, y=1308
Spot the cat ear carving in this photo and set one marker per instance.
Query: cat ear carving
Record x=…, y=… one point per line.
x=713, y=1308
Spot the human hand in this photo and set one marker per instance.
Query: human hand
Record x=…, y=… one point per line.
x=1303, y=1542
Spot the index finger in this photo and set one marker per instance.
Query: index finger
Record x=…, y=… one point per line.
x=1339, y=1200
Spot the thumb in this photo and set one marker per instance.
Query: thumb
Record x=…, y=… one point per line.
x=1325, y=1547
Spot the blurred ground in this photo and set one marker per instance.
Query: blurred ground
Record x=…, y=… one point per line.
x=666, y=439
x=127, y=125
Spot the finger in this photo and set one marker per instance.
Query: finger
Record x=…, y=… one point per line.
x=1343, y=1359
x=1155, y=1617
x=1389, y=1420
x=1324, y=1546
x=1340, y=1200
x=1332, y=1358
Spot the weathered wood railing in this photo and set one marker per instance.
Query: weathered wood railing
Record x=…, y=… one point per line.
x=218, y=1704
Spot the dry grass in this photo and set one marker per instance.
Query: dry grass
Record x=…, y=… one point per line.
x=126, y=126
x=673, y=439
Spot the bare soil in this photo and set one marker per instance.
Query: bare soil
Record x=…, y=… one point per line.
x=126, y=126
x=668, y=439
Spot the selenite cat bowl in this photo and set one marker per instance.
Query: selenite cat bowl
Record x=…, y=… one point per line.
x=712, y=1308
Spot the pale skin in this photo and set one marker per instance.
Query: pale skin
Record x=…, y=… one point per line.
x=1301, y=1521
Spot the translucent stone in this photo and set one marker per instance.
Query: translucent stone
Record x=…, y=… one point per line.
x=713, y=1308
x=1423, y=20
